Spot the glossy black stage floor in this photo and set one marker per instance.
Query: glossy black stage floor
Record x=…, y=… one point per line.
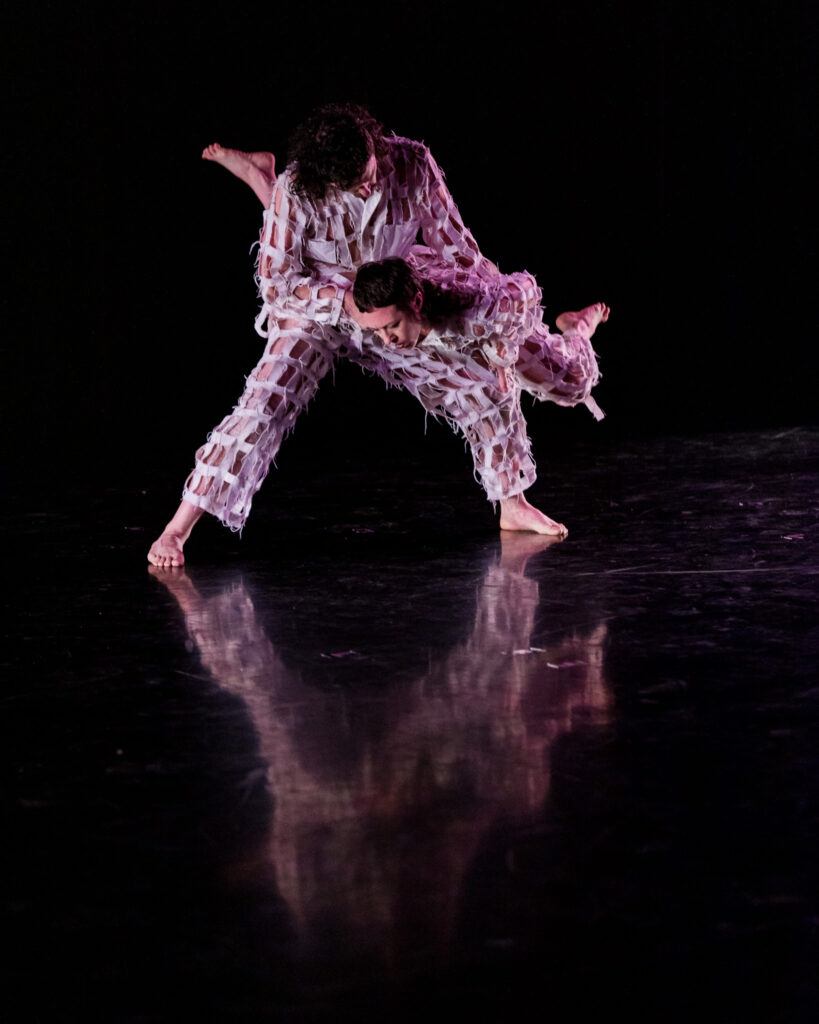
x=375, y=761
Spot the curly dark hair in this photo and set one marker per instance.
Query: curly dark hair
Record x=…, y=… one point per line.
x=332, y=147
x=393, y=282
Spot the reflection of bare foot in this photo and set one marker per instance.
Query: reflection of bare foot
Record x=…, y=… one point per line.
x=172, y=580
x=166, y=551
x=585, y=320
x=179, y=584
x=517, y=548
x=518, y=514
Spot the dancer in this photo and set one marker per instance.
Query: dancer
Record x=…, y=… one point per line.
x=465, y=346
x=348, y=195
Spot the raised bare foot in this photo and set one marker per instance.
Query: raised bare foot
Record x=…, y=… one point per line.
x=166, y=551
x=585, y=320
x=236, y=160
x=518, y=514
x=258, y=170
x=215, y=152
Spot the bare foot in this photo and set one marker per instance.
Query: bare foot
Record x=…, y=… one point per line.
x=236, y=160
x=166, y=551
x=258, y=170
x=215, y=152
x=518, y=514
x=585, y=320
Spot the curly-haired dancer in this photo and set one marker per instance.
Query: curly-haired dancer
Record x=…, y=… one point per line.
x=350, y=195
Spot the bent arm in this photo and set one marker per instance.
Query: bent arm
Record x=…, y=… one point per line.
x=442, y=226
x=289, y=284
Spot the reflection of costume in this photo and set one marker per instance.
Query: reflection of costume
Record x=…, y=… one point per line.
x=398, y=798
x=306, y=248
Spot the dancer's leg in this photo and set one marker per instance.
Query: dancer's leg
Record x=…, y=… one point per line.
x=490, y=419
x=500, y=449
x=562, y=367
x=231, y=466
x=492, y=422
x=166, y=550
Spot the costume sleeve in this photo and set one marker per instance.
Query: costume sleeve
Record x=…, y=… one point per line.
x=289, y=285
x=441, y=224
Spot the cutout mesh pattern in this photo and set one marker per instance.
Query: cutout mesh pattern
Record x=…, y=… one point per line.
x=310, y=250
x=470, y=375
x=232, y=464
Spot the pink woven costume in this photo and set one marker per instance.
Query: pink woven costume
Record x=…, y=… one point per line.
x=472, y=378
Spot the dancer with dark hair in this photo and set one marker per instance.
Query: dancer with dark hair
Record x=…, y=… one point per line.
x=348, y=196
x=466, y=346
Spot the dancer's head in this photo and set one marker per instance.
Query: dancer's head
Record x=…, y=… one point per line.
x=338, y=145
x=400, y=306
x=390, y=296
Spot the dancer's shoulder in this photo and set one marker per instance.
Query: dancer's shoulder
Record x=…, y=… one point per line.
x=284, y=183
x=298, y=204
x=411, y=162
x=398, y=144
x=407, y=151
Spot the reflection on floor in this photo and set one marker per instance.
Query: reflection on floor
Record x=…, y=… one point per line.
x=404, y=764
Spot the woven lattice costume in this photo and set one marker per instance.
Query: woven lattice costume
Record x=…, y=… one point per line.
x=471, y=373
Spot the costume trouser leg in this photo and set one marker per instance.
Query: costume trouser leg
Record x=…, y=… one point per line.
x=492, y=423
x=470, y=399
x=231, y=466
x=560, y=368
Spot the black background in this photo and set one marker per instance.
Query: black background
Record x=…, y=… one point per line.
x=652, y=157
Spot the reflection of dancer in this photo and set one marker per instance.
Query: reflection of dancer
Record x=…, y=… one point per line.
x=349, y=195
x=381, y=801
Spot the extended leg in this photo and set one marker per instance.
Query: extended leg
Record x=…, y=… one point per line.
x=496, y=431
x=231, y=466
x=490, y=419
x=166, y=550
x=562, y=368
x=493, y=424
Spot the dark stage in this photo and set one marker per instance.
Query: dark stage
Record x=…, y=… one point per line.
x=375, y=760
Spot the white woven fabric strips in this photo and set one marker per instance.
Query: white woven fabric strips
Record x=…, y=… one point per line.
x=470, y=374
